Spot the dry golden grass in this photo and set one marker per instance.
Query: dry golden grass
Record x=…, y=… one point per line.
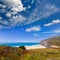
x=13, y=53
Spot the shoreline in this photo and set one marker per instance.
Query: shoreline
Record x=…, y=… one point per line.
x=39, y=46
x=35, y=47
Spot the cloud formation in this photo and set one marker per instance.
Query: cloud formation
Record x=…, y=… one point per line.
x=13, y=3
x=12, y=17
x=53, y=22
x=3, y=6
x=32, y=29
x=43, y=10
x=0, y=17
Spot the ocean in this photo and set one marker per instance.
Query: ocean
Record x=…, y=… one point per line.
x=18, y=44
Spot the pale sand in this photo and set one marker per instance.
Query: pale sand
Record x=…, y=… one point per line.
x=38, y=47
x=53, y=46
x=35, y=47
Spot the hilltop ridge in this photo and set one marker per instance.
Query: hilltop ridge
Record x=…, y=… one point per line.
x=52, y=41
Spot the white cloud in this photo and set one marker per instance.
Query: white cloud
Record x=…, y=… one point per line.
x=17, y=9
x=5, y=22
x=15, y=5
x=8, y=14
x=12, y=3
x=56, y=21
x=53, y=22
x=16, y=20
x=42, y=10
x=0, y=18
x=34, y=28
x=2, y=10
x=2, y=6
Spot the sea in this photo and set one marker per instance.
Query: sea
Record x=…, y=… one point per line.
x=18, y=44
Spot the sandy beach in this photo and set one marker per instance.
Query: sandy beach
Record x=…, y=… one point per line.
x=35, y=47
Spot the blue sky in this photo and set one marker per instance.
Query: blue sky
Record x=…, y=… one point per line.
x=29, y=20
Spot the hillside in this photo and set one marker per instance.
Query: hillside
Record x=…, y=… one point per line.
x=16, y=53
x=11, y=53
x=52, y=41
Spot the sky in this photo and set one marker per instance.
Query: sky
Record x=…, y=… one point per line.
x=29, y=20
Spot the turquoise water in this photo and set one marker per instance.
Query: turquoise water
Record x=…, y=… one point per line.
x=18, y=44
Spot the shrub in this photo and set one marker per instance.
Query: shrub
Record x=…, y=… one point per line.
x=22, y=47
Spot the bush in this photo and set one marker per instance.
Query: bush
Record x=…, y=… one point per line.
x=22, y=47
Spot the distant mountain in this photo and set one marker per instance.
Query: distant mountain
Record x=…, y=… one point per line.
x=52, y=41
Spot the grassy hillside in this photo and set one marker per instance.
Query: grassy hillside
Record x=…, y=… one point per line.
x=13, y=53
x=52, y=41
x=45, y=54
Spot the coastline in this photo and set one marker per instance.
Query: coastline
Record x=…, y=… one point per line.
x=35, y=47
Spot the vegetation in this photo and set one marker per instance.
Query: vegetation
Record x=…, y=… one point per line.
x=22, y=47
x=52, y=41
x=16, y=53
x=11, y=53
